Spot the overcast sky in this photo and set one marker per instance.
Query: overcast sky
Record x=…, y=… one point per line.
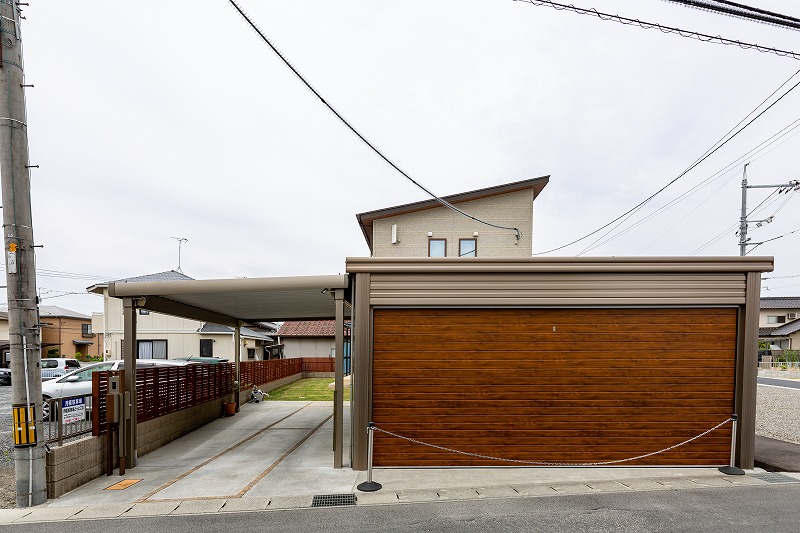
x=153, y=120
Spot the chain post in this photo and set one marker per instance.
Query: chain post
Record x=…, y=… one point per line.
x=369, y=485
x=732, y=469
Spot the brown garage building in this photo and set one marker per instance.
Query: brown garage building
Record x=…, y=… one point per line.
x=576, y=360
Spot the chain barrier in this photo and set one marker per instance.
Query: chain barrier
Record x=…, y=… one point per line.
x=548, y=463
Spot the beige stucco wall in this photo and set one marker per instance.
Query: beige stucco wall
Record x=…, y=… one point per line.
x=307, y=346
x=764, y=313
x=512, y=210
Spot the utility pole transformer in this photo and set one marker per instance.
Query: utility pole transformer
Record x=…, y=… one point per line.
x=744, y=241
x=23, y=309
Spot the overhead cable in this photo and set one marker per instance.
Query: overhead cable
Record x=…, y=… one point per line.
x=664, y=29
x=716, y=146
x=357, y=133
x=751, y=155
x=742, y=11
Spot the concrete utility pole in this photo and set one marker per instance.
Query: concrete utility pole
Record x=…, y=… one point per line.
x=23, y=312
x=743, y=222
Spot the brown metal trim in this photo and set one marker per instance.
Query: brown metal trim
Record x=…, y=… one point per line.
x=747, y=374
x=361, y=370
x=667, y=265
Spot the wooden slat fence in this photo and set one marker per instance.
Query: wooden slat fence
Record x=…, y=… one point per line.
x=165, y=390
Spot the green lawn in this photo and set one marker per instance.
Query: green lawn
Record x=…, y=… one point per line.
x=307, y=390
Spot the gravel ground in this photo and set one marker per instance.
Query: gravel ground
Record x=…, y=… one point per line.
x=8, y=496
x=776, y=417
x=777, y=413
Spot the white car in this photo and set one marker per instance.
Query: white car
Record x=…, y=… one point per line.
x=79, y=382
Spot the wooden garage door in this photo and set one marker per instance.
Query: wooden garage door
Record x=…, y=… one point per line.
x=560, y=385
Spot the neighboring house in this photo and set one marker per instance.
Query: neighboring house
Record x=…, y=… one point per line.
x=308, y=338
x=67, y=331
x=218, y=341
x=162, y=336
x=5, y=343
x=429, y=229
x=779, y=321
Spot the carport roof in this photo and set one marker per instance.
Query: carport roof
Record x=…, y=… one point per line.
x=224, y=301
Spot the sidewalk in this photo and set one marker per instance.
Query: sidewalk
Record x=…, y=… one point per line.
x=277, y=455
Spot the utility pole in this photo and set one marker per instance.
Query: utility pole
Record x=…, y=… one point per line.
x=23, y=311
x=743, y=222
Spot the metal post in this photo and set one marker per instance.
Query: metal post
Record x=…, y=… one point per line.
x=731, y=469
x=369, y=485
x=743, y=219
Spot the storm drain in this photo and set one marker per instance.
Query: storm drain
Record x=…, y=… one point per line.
x=330, y=500
x=774, y=477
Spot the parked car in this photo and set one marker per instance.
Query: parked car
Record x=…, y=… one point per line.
x=5, y=376
x=79, y=382
x=198, y=359
x=55, y=367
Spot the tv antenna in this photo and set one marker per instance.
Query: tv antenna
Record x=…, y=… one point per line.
x=180, y=240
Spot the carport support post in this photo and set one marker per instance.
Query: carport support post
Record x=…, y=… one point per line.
x=338, y=391
x=237, y=357
x=130, y=351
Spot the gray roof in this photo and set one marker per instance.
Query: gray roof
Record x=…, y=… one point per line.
x=56, y=311
x=245, y=332
x=169, y=275
x=780, y=302
x=787, y=329
x=765, y=332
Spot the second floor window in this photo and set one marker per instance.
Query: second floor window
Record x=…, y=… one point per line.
x=86, y=330
x=467, y=247
x=780, y=319
x=437, y=247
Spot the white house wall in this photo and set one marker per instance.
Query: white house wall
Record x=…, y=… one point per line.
x=511, y=210
x=308, y=346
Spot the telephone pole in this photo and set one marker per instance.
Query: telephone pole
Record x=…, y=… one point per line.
x=744, y=241
x=23, y=309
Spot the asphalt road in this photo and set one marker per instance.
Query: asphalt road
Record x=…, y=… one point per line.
x=779, y=382
x=762, y=508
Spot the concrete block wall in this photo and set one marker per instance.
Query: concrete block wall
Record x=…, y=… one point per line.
x=75, y=463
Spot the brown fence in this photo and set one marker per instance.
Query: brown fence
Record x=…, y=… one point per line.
x=164, y=390
x=318, y=364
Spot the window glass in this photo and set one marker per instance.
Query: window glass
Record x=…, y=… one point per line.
x=467, y=247
x=437, y=248
x=49, y=363
x=776, y=319
x=86, y=375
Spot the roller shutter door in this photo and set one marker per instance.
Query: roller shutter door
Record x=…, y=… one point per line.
x=559, y=385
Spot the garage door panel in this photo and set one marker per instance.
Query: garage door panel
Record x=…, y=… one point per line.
x=611, y=386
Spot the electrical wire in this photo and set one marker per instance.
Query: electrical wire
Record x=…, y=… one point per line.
x=754, y=154
x=714, y=148
x=733, y=9
x=664, y=29
x=358, y=134
x=770, y=240
x=781, y=277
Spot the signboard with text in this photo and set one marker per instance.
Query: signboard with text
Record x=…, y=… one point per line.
x=73, y=410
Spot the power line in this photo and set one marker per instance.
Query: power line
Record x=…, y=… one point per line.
x=772, y=239
x=782, y=277
x=357, y=133
x=664, y=29
x=733, y=9
x=716, y=146
x=758, y=151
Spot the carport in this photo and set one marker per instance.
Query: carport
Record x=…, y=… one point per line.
x=231, y=302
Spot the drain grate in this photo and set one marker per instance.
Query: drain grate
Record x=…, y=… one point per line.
x=330, y=500
x=774, y=477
